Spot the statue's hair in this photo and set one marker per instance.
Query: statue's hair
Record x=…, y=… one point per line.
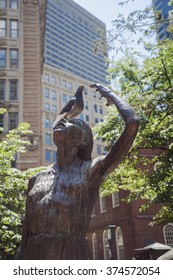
x=84, y=148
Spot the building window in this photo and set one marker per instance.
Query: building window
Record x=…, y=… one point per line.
x=46, y=93
x=13, y=89
x=86, y=105
x=3, y=4
x=47, y=106
x=63, y=83
x=95, y=94
x=54, y=109
x=14, y=4
x=47, y=123
x=64, y=99
x=81, y=116
x=2, y=27
x=53, y=80
x=48, y=155
x=96, y=120
x=2, y=58
x=12, y=120
x=168, y=234
x=70, y=86
x=13, y=58
x=102, y=204
x=120, y=244
x=53, y=94
x=13, y=28
x=106, y=246
x=95, y=246
x=101, y=109
x=2, y=89
x=115, y=199
x=95, y=108
x=87, y=118
x=48, y=139
x=46, y=78
x=99, y=149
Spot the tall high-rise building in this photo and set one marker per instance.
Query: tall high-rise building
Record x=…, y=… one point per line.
x=71, y=33
x=47, y=50
x=166, y=15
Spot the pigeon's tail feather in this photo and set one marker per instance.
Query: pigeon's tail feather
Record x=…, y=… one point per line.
x=58, y=119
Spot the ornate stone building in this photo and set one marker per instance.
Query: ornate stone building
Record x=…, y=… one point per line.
x=46, y=52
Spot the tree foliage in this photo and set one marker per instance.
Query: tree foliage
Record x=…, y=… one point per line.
x=149, y=89
x=13, y=183
x=139, y=26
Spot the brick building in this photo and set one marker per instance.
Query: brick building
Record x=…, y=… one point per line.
x=117, y=228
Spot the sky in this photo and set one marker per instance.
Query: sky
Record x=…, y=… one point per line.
x=107, y=10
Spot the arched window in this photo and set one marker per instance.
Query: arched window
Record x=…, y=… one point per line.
x=106, y=245
x=168, y=234
x=120, y=244
x=95, y=246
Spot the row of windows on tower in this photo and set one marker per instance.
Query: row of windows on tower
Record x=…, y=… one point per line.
x=64, y=15
x=52, y=94
x=65, y=84
x=63, y=64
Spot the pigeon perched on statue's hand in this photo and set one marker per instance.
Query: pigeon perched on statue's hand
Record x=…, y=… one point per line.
x=73, y=108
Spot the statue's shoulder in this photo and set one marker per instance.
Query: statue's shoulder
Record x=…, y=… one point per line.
x=37, y=176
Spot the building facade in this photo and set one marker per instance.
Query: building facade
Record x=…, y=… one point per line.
x=46, y=52
x=70, y=39
x=58, y=87
x=21, y=55
x=118, y=228
x=166, y=15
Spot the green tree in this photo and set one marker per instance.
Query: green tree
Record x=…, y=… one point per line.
x=139, y=27
x=13, y=183
x=149, y=89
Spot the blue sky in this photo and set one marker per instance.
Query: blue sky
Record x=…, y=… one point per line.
x=107, y=10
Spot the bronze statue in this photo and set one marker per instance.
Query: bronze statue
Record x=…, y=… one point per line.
x=60, y=199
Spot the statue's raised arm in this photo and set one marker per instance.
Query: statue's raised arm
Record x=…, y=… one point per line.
x=103, y=166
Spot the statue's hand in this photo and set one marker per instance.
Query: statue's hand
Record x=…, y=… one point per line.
x=104, y=91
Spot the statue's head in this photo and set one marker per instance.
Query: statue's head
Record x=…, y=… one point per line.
x=77, y=134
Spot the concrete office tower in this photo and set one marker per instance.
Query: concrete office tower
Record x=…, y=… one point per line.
x=69, y=40
x=47, y=49
x=167, y=14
